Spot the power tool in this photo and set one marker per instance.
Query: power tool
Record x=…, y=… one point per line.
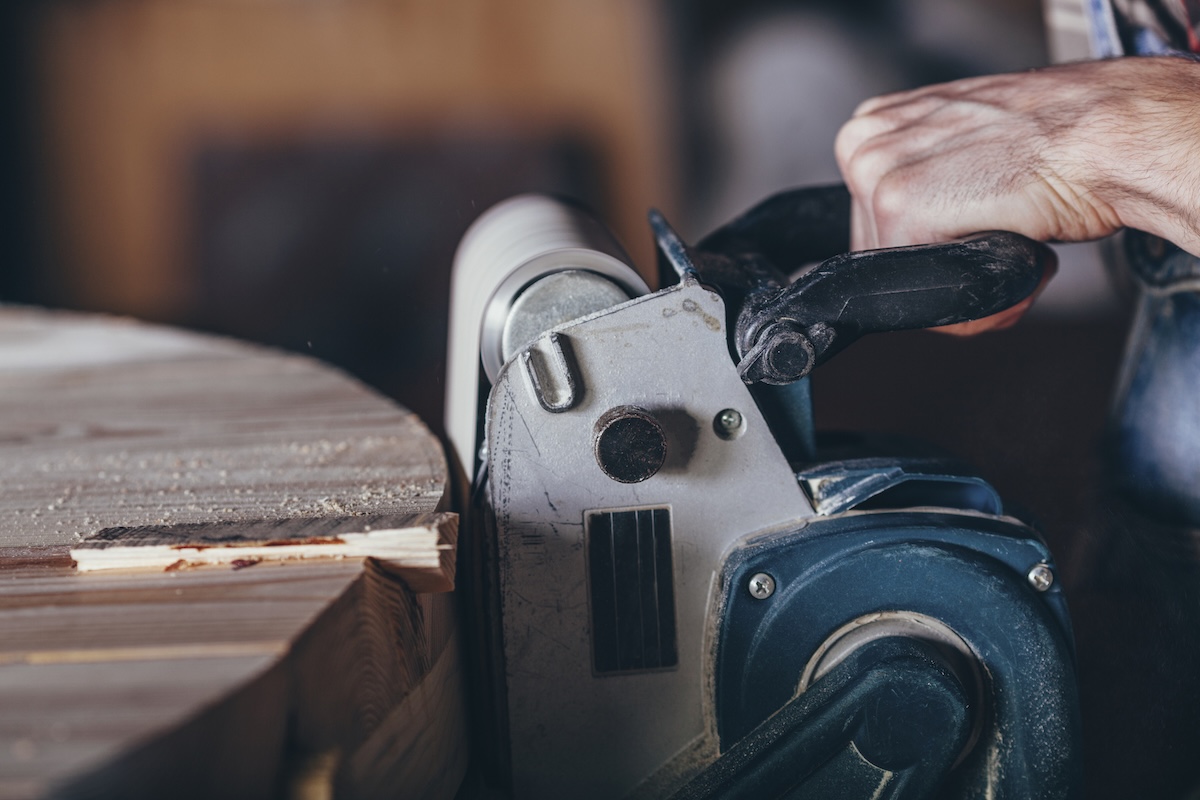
x=692, y=594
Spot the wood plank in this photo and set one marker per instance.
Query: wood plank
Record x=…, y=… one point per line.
x=386, y=641
x=124, y=444
x=420, y=730
x=85, y=707
x=169, y=428
x=75, y=719
x=128, y=663
x=97, y=618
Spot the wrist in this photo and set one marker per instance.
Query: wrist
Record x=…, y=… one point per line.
x=1146, y=167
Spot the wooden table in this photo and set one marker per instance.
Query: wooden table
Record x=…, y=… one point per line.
x=325, y=663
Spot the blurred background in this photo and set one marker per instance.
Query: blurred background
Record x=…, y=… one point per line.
x=298, y=172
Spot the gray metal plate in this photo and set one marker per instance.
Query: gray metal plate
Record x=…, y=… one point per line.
x=576, y=733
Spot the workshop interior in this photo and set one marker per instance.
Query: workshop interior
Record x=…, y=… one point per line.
x=336, y=178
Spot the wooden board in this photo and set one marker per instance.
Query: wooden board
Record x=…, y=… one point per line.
x=108, y=423
x=216, y=680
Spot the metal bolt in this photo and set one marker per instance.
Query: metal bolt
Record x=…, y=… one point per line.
x=1041, y=577
x=728, y=423
x=762, y=586
x=630, y=445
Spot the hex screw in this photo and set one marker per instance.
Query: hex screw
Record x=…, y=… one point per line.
x=1041, y=577
x=761, y=586
x=729, y=423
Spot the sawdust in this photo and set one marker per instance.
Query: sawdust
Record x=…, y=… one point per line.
x=234, y=433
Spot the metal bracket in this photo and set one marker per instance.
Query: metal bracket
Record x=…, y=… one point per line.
x=553, y=380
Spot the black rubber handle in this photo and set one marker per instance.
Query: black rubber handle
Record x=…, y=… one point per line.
x=782, y=331
x=792, y=227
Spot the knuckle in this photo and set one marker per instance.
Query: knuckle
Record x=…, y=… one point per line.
x=869, y=165
x=867, y=147
x=873, y=104
x=892, y=199
x=865, y=107
x=847, y=142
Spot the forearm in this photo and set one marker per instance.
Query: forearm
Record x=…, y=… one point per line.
x=1066, y=153
x=1145, y=159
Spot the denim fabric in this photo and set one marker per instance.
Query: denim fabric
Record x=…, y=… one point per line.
x=1156, y=415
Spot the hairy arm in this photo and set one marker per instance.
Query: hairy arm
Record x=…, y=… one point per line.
x=1066, y=153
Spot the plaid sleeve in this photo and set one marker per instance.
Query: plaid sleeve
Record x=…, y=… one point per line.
x=1145, y=27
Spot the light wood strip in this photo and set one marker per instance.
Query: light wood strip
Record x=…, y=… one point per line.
x=416, y=547
x=104, y=655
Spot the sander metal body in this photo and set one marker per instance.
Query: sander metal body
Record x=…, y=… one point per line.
x=690, y=595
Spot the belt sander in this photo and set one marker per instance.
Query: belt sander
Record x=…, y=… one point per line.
x=690, y=595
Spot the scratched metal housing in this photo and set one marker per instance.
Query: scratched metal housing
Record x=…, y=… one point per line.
x=666, y=353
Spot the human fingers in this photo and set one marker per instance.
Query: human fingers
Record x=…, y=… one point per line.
x=860, y=130
x=955, y=172
x=1009, y=316
x=861, y=235
x=897, y=194
x=871, y=150
x=908, y=97
x=873, y=105
x=861, y=175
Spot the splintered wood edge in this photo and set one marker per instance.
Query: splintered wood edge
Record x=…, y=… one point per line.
x=419, y=548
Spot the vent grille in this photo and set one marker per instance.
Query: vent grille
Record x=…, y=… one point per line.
x=631, y=590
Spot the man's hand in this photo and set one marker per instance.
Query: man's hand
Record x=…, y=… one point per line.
x=1066, y=153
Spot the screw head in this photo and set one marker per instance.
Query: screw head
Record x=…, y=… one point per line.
x=729, y=423
x=1041, y=577
x=761, y=586
x=789, y=358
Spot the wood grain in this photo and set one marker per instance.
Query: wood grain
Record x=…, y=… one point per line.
x=214, y=679
x=107, y=423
